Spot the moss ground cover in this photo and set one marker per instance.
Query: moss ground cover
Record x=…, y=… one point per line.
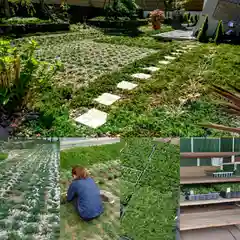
x=30, y=194
x=151, y=211
x=171, y=104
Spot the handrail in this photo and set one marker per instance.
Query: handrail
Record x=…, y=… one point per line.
x=207, y=154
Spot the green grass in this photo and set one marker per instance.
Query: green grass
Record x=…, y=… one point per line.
x=95, y=159
x=87, y=156
x=171, y=104
x=3, y=156
x=151, y=211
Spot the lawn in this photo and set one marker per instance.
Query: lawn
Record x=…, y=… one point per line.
x=29, y=193
x=171, y=104
x=151, y=211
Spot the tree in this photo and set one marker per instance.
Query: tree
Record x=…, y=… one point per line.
x=6, y=8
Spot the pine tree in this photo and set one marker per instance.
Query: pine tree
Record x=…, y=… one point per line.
x=202, y=35
x=219, y=32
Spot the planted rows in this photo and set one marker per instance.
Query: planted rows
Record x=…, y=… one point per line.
x=86, y=60
x=30, y=202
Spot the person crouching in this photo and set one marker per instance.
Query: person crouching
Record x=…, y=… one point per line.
x=85, y=195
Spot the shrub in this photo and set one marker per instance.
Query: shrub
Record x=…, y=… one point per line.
x=120, y=8
x=219, y=32
x=3, y=156
x=202, y=34
x=20, y=70
x=157, y=17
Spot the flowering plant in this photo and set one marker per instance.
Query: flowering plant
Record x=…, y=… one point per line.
x=156, y=17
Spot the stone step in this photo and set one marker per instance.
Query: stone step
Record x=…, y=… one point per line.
x=92, y=118
x=151, y=69
x=126, y=85
x=164, y=62
x=141, y=76
x=169, y=58
x=107, y=99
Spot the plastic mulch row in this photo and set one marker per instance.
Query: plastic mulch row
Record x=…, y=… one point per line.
x=197, y=197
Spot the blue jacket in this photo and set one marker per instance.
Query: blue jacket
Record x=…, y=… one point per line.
x=88, y=202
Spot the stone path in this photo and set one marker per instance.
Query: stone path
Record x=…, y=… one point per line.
x=176, y=35
x=95, y=118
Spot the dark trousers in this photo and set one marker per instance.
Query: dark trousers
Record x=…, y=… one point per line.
x=75, y=203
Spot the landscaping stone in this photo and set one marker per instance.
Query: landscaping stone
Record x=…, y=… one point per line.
x=151, y=69
x=141, y=75
x=107, y=99
x=126, y=85
x=181, y=51
x=170, y=58
x=176, y=53
x=164, y=62
x=93, y=118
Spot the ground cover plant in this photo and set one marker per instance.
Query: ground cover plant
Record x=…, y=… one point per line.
x=103, y=164
x=86, y=60
x=171, y=104
x=30, y=193
x=3, y=156
x=151, y=212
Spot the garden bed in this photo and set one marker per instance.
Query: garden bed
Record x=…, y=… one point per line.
x=29, y=194
x=20, y=29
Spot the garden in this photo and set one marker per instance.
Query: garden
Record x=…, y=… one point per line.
x=30, y=192
x=129, y=84
x=134, y=172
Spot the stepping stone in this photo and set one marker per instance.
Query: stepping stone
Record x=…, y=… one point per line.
x=141, y=76
x=151, y=69
x=107, y=99
x=176, y=53
x=93, y=118
x=180, y=51
x=164, y=62
x=126, y=85
x=170, y=58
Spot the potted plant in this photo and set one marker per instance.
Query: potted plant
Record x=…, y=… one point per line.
x=156, y=17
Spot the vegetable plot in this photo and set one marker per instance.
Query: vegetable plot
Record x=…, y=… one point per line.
x=30, y=194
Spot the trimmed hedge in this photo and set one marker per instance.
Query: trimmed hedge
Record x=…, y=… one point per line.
x=20, y=29
x=102, y=23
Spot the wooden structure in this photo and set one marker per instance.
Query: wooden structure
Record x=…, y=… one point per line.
x=146, y=5
x=200, y=220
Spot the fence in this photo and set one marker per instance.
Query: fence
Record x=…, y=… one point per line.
x=211, y=145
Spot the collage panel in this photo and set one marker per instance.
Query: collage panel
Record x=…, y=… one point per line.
x=90, y=204
x=149, y=202
x=210, y=188
x=29, y=189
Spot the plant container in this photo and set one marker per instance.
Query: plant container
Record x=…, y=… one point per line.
x=198, y=197
x=235, y=194
x=223, y=174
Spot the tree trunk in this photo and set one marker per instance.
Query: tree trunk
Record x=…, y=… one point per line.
x=6, y=8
